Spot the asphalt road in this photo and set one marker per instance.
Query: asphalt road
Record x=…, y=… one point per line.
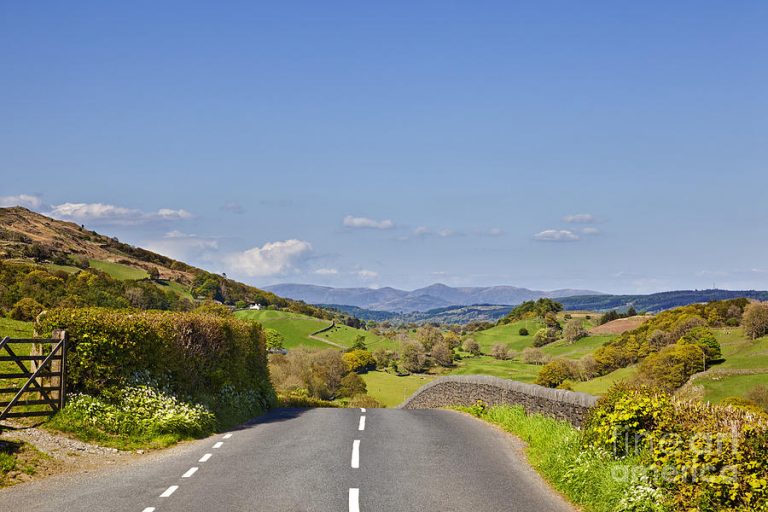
x=295, y=460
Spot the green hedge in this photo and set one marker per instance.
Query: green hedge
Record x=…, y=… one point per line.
x=207, y=358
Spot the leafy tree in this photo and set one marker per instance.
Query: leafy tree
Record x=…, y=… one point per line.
x=755, y=320
x=574, y=331
x=532, y=355
x=533, y=309
x=359, y=343
x=704, y=338
x=154, y=273
x=523, y=332
x=26, y=309
x=359, y=360
x=275, y=340
x=671, y=367
x=211, y=308
x=452, y=340
x=472, y=346
x=554, y=373
x=545, y=336
x=352, y=385
x=500, y=351
x=428, y=335
x=442, y=354
x=413, y=357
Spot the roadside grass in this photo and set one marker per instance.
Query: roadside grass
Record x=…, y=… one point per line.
x=486, y=365
x=391, y=390
x=124, y=442
x=601, y=385
x=718, y=388
x=119, y=271
x=555, y=450
x=18, y=457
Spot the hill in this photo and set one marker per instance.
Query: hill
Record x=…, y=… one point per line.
x=125, y=275
x=423, y=299
x=655, y=302
x=446, y=315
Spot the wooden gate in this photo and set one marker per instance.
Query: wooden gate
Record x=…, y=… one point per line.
x=44, y=381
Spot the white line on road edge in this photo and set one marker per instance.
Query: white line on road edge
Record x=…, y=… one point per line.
x=218, y=445
x=189, y=473
x=362, y=423
x=356, y=453
x=354, y=500
x=169, y=491
x=205, y=457
x=362, y=409
x=149, y=509
x=227, y=436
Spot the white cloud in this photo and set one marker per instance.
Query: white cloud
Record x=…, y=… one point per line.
x=326, y=272
x=367, y=223
x=556, y=235
x=495, y=232
x=182, y=246
x=579, y=218
x=367, y=274
x=590, y=231
x=25, y=200
x=445, y=233
x=233, y=207
x=421, y=231
x=111, y=214
x=273, y=258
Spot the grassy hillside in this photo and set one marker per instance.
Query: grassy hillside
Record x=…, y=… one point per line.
x=119, y=271
x=345, y=335
x=507, y=334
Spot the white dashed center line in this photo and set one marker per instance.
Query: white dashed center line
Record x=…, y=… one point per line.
x=189, y=473
x=227, y=436
x=362, y=423
x=362, y=409
x=149, y=509
x=169, y=491
x=205, y=457
x=218, y=445
x=354, y=500
x=356, y=453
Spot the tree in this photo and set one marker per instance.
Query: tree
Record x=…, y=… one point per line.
x=671, y=367
x=574, y=331
x=631, y=311
x=26, y=309
x=428, y=335
x=412, y=357
x=523, y=332
x=359, y=360
x=755, y=320
x=555, y=373
x=359, y=343
x=532, y=355
x=471, y=346
x=352, y=385
x=452, y=340
x=274, y=339
x=704, y=338
x=154, y=273
x=500, y=351
x=545, y=336
x=442, y=354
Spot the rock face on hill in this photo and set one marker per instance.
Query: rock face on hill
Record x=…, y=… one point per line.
x=424, y=299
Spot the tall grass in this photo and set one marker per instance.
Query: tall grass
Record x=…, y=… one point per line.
x=584, y=476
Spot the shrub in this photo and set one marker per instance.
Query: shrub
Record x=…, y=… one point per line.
x=442, y=354
x=274, y=340
x=26, y=309
x=759, y=395
x=705, y=339
x=500, y=351
x=755, y=320
x=545, y=336
x=412, y=357
x=555, y=372
x=472, y=346
x=359, y=360
x=533, y=355
x=523, y=332
x=574, y=331
x=671, y=367
x=351, y=385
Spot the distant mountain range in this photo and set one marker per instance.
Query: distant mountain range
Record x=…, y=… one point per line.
x=656, y=302
x=424, y=299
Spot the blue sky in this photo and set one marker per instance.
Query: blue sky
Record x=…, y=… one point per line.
x=616, y=146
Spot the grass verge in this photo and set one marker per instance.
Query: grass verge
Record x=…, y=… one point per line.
x=554, y=449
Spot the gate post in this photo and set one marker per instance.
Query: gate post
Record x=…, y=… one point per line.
x=62, y=337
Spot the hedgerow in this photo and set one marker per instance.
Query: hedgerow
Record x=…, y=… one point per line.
x=216, y=361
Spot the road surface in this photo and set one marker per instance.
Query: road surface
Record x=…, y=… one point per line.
x=333, y=460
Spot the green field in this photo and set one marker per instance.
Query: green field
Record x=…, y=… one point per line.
x=392, y=390
x=718, y=388
x=507, y=335
x=294, y=327
x=119, y=271
x=486, y=365
x=600, y=385
x=577, y=349
x=346, y=336
x=174, y=287
x=15, y=329
x=62, y=268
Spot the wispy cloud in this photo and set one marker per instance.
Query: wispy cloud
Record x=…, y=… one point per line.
x=112, y=214
x=326, y=272
x=579, y=218
x=367, y=274
x=556, y=235
x=271, y=259
x=26, y=200
x=590, y=231
x=233, y=207
x=367, y=223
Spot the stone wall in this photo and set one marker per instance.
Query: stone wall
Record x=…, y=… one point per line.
x=467, y=389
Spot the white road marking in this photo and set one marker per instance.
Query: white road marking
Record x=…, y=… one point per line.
x=149, y=509
x=189, y=473
x=362, y=409
x=227, y=436
x=356, y=453
x=354, y=500
x=169, y=491
x=205, y=457
x=218, y=445
x=362, y=423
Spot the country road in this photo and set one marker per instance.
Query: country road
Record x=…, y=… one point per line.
x=333, y=460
